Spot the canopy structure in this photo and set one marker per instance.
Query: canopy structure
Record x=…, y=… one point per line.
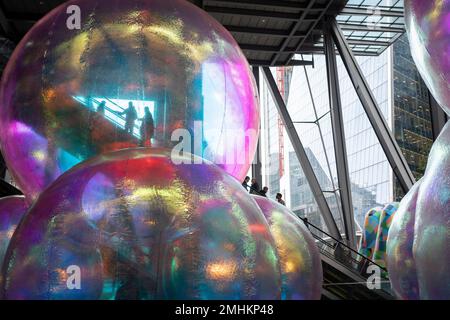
x=271, y=32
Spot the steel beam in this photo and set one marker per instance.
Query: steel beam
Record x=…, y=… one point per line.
x=314, y=24
x=372, y=11
x=365, y=42
x=275, y=33
x=305, y=49
x=264, y=48
x=266, y=63
x=279, y=4
x=256, y=166
x=438, y=117
x=301, y=154
x=340, y=149
x=293, y=30
x=370, y=27
x=370, y=105
x=253, y=13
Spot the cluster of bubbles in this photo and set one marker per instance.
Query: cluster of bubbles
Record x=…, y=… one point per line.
x=87, y=123
x=418, y=246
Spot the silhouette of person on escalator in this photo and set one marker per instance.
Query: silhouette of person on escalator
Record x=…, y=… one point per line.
x=147, y=128
x=130, y=117
x=101, y=108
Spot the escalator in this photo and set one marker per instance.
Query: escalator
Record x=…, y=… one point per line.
x=345, y=271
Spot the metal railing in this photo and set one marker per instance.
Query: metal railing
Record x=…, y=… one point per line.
x=118, y=115
x=346, y=256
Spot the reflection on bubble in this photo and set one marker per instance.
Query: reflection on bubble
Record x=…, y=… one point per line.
x=139, y=227
x=68, y=95
x=418, y=246
x=300, y=263
x=427, y=23
x=12, y=210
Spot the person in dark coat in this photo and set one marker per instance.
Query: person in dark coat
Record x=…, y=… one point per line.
x=147, y=127
x=245, y=183
x=130, y=117
x=254, y=187
x=279, y=200
x=263, y=192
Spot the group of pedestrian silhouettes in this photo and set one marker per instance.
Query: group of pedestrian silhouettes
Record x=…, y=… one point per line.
x=147, y=128
x=253, y=188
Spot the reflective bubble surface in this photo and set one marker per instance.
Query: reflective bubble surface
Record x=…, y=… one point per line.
x=12, y=210
x=427, y=23
x=133, y=225
x=421, y=232
x=70, y=94
x=399, y=252
x=300, y=263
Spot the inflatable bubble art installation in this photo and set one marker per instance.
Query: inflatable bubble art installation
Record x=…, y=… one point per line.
x=135, y=225
x=136, y=73
x=418, y=245
x=127, y=136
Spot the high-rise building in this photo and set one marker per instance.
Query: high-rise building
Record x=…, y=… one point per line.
x=412, y=116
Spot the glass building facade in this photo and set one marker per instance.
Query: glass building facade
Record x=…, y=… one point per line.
x=412, y=115
x=404, y=101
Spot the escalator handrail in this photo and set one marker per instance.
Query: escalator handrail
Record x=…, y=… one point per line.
x=113, y=111
x=341, y=243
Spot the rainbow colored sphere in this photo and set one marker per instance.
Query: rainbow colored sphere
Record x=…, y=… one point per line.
x=12, y=209
x=428, y=27
x=370, y=232
x=418, y=244
x=300, y=263
x=132, y=224
x=159, y=73
x=386, y=218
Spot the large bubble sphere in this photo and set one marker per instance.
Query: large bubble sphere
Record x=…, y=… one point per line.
x=135, y=224
x=427, y=23
x=12, y=210
x=137, y=73
x=300, y=263
x=418, y=246
x=399, y=255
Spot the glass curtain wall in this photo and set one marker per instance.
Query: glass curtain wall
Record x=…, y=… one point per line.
x=308, y=105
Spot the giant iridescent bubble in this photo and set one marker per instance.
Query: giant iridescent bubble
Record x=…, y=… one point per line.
x=399, y=256
x=300, y=263
x=167, y=55
x=12, y=210
x=428, y=26
x=418, y=246
x=133, y=225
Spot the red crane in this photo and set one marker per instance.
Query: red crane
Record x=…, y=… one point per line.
x=281, y=83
